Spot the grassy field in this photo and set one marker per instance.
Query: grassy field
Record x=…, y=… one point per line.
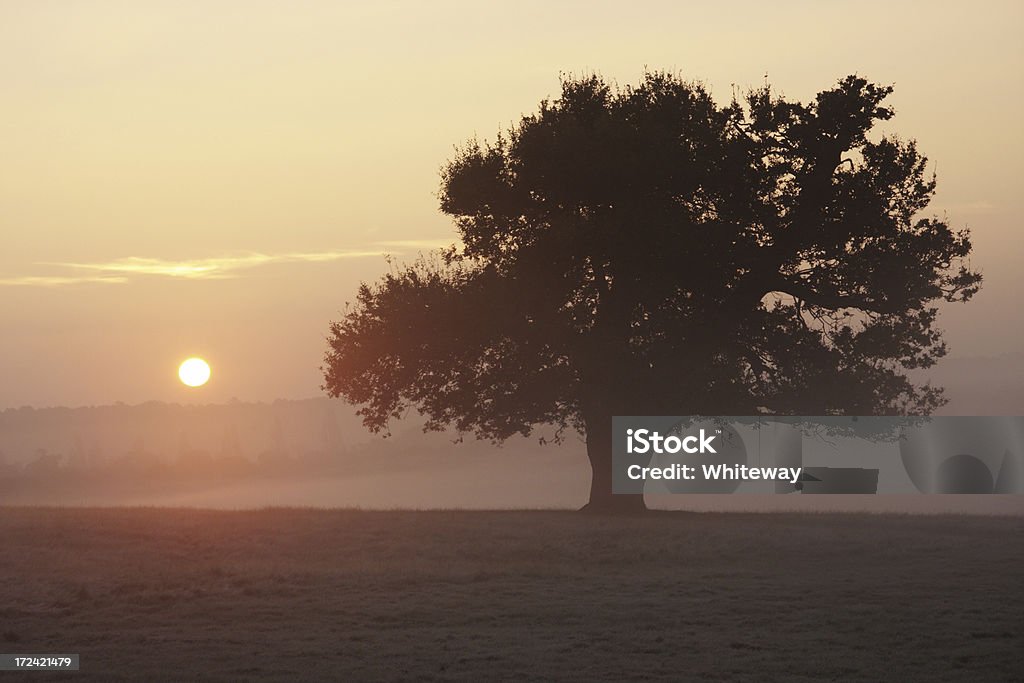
x=157, y=594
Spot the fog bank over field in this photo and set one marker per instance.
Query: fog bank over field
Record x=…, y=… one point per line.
x=96, y=434
x=316, y=453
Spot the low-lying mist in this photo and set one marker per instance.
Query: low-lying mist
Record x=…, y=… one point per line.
x=316, y=453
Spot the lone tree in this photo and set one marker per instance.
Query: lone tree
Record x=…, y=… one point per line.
x=641, y=250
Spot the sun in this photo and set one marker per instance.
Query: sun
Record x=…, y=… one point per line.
x=194, y=372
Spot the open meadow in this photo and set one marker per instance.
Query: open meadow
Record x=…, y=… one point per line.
x=290, y=594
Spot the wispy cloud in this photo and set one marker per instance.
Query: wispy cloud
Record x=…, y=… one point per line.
x=56, y=280
x=212, y=268
x=219, y=267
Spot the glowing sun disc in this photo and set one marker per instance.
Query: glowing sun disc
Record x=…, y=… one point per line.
x=194, y=372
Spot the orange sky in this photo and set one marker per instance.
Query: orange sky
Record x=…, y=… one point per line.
x=214, y=178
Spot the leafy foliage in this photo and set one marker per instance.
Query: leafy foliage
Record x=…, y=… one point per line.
x=645, y=251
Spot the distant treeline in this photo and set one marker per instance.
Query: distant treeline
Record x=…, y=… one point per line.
x=167, y=431
x=156, y=447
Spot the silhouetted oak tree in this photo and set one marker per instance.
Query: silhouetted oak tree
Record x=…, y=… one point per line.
x=644, y=251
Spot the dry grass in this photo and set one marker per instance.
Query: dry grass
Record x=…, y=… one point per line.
x=148, y=594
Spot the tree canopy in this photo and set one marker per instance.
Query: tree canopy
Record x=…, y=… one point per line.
x=644, y=250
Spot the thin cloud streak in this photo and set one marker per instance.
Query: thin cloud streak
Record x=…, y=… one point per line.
x=215, y=268
x=57, y=281
x=209, y=268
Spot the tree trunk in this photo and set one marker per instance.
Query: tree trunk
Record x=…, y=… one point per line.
x=599, y=451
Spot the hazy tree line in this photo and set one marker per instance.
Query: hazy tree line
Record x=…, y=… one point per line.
x=165, y=447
